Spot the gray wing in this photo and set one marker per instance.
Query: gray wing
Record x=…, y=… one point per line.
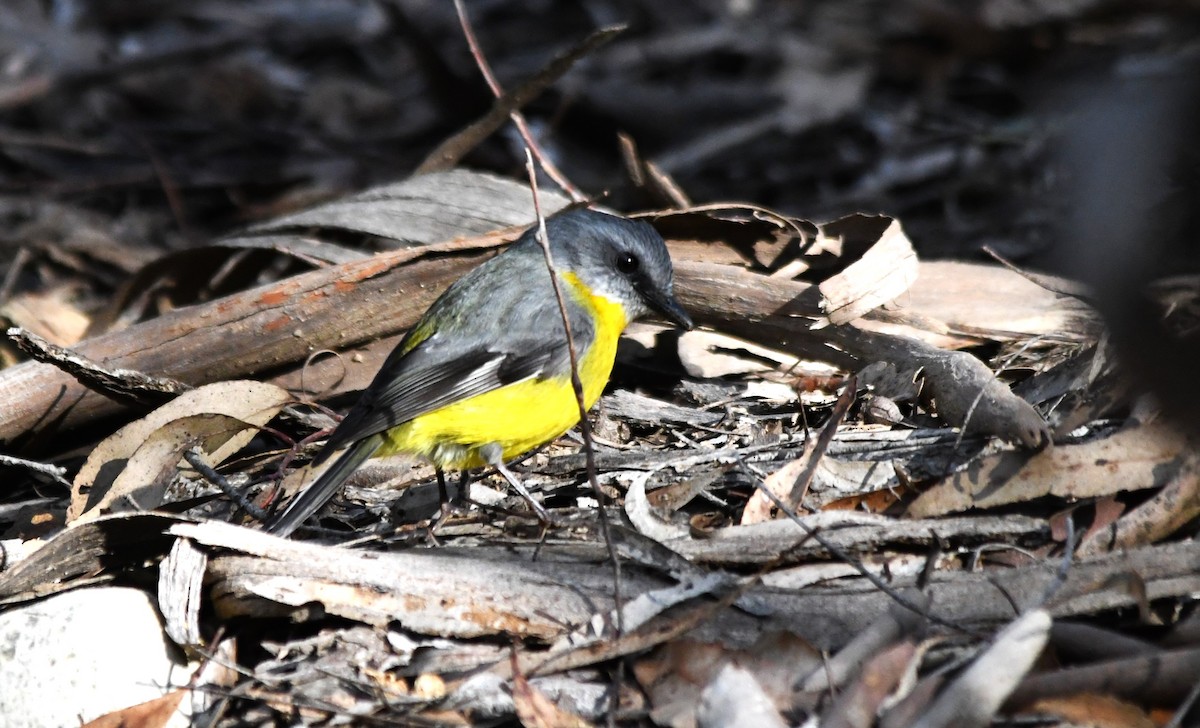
x=434, y=375
x=505, y=339
x=431, y=375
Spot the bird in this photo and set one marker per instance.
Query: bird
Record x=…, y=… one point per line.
x=485, y=375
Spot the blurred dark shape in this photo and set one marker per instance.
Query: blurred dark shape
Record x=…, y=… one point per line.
x=1130, y=148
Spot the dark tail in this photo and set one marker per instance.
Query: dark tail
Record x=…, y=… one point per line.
x=318, y=493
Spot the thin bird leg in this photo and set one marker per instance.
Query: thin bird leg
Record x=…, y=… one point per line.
x=445, y=508
x=450, y=506
x=464, y=482
x=443, y=496
x=538, y=509
x=492, y=454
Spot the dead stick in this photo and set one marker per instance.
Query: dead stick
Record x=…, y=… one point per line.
x=518, y=119
x=449, y=152
x=585, y=427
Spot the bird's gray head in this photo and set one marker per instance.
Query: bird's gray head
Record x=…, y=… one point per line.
x=621, y=259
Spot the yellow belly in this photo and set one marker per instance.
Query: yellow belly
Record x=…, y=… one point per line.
x=522, y=415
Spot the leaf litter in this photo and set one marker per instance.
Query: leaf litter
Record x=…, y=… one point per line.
x=921, y=566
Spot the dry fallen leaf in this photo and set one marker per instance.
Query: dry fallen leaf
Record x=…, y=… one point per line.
x=790, y=483
x=155, y=713
x=883, y=273
x=759, y=508
x=709, y=355
x=1133, y=459
x=49, y=315
x=253, y=403
x=972, y=699
x=676, y=675
x=143, y=481
x=1169, y=510
x=734, y=699
x=535, y=710
x=1095, y=711
x=858, y=704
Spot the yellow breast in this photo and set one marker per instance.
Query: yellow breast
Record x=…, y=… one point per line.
x=522, y=415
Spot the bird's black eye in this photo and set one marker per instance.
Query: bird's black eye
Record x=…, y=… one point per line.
x=627, y=263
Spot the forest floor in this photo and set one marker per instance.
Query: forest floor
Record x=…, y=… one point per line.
x=928, y=461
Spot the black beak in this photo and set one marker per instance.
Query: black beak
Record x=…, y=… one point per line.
x=670, y=309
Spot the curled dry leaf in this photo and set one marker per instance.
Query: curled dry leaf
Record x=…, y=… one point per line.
x=251, y=404
x=1132, y=459
x=150, y=714
x=884, y=272
x=646, y=518
x=758, y=509
x=143, y=480
x=736, y=235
